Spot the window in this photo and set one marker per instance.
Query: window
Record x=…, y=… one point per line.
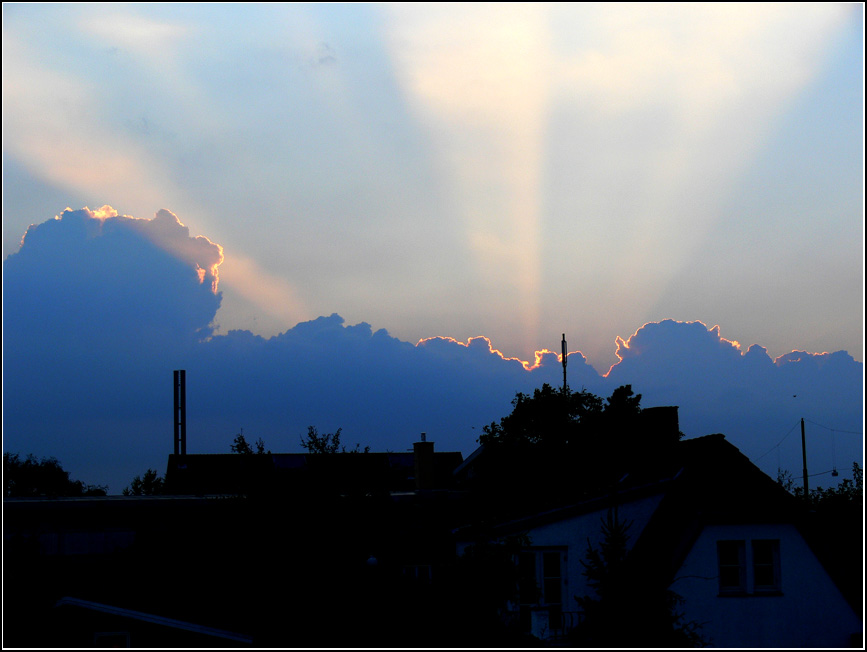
x=541, y=583
x=732, y=566
x=749, y=568
x=766, y=565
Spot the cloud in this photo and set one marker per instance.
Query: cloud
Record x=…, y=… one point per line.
x=674, y=343
x=566, y=165
x=99, y=309
x=94, y=278
x=125, y=30
x=747, y=395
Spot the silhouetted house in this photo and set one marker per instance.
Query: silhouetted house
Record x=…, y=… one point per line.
x=367, y=473
x=702, y=521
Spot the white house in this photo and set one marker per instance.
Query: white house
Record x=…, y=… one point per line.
x=704, y=522
x=768, y=589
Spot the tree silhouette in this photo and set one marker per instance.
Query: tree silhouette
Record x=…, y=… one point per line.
x=42, y=477
x=626, y=610
x=848, y=492
x=835, y=526
x=549, y=416
x=242, y=446
x=148, y=485
x=560, y=418
x=557, y=444
x=327, y=443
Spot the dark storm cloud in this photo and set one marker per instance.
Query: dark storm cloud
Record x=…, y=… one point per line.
x=99, y=309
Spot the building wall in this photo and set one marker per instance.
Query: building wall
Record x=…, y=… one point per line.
x=575, y=532
x=809, y=610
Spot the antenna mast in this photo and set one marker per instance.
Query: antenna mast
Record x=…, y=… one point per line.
x=563, y=357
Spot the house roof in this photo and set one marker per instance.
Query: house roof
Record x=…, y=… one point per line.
x=717, y=484
x=702, y=480
x=234, y=474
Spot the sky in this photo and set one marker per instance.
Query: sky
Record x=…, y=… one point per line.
x=351, y=215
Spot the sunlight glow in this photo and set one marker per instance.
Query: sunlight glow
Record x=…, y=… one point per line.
x=483, y=96
x=504, y=168
x=274, y=296
x=52, y=144
x=165, y=231
x=483, y=343
x=103, y=213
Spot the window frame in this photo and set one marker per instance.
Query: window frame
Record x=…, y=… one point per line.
x=775, y=586
x=542, y=578
x=750, y=567
x=740, y=548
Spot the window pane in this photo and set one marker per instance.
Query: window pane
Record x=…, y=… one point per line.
x=766, y=555
x=527, y=587
x=763, y=552
x=551, y=564
x=732, y=569
x=729, y=552
x=764, y=575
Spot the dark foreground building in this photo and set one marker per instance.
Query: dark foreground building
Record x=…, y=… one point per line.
x=425, y=549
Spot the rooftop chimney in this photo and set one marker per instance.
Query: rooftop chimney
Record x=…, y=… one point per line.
x=661, y=426
x=423, y=461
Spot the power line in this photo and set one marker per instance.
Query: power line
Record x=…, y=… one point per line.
x=778, y=443
x=811, y=475
x=848, y=432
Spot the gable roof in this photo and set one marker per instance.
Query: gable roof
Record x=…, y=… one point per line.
x=717, y=484
x=701, y=480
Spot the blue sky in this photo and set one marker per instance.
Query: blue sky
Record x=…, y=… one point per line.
x=507, y=171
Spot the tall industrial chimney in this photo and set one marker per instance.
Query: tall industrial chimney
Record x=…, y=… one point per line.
x=180, y=415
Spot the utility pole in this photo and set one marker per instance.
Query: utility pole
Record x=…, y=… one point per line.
x=563, y=357
x=804, y=454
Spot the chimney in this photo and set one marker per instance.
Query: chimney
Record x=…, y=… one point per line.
x=660, y=425
x=180, y=417
x=423, y=460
